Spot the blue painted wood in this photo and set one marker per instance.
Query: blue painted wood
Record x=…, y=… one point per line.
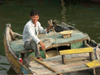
x=24, y=71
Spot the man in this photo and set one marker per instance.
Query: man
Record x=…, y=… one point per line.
x=30, y=32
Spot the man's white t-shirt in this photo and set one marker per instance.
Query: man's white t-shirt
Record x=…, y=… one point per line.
x=31, y=31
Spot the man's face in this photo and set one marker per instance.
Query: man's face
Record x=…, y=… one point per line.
x=34, y=18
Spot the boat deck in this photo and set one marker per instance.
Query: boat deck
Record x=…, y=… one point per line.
x=75, y=63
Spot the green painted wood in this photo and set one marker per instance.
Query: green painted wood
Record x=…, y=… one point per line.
x=75, y=36
x=42, y=52
x=77, y=45
x=17, y=45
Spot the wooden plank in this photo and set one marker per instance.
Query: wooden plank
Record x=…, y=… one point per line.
x=64, y=44
x=26, y=51
x=60, y=67
x=77, y=59
x=73, y=70
x=91, y=56
x=53, y=46
x=66, y=32
x=56, y=64
x=50, y=68
x=76, y=51
x=93, y=63
x=43, y=64
x=66, y=35
x=72, y=66
x=63, y=59
x=94, y=72
x=40, y=70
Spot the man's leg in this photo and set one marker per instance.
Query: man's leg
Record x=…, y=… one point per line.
x=34, y=46
x=36, y=50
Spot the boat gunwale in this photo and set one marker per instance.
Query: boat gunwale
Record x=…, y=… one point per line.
x=7, y=42
x=8, y=48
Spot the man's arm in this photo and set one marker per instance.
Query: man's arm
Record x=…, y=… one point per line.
x=35, y=38
x=44, y=31
x=42, y=45
x=49, y=28
x=50, y=25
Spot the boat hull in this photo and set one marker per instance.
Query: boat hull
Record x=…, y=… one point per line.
x=17, y=66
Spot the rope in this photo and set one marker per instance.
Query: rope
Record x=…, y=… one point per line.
x=55, y=41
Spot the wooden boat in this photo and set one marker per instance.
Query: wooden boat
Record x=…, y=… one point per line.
x=64, y=55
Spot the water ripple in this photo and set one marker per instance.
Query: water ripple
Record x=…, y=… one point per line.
x=4, y=65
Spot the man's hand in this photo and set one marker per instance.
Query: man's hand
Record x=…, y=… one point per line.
x=42, y=45
x=50, y=22
x=50, y=25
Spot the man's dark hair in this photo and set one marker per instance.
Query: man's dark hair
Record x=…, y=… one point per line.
x=34, y=12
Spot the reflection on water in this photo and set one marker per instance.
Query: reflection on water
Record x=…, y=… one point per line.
x=11, y=71
x=4, y=65
x=82, y=14
x=63, y=11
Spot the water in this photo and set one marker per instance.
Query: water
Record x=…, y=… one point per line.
x=82, y=14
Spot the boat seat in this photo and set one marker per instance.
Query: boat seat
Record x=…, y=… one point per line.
x=76, y=51
x=17, y=47
x=26, y=51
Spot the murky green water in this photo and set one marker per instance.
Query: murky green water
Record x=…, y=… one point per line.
x=83, y=15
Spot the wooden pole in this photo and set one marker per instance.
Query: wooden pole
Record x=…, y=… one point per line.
x=43, y=64
x=50, y=68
